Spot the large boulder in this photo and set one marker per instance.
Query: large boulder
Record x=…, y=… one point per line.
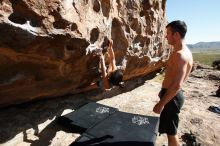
x=45, y=46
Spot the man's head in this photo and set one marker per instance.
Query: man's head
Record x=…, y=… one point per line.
x=116, y=77
x=178, y=26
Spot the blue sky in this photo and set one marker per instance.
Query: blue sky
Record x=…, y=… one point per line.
x=201, y=16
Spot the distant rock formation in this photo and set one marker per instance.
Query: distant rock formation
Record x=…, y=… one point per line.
x=205, y=46
x=45, y=46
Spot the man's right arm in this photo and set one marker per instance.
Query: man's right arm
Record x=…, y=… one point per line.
x=112, y=62
x=104, y=73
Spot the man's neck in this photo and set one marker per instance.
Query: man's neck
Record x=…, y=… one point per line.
x=179, y=45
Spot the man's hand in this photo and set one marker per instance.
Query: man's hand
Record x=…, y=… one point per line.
x=110, y=43
x=158, y=108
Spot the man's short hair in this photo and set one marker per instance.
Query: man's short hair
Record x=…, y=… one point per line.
x=178, y=26
x=116, y=77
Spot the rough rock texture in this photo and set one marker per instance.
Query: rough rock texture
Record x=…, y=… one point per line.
x=45, y=46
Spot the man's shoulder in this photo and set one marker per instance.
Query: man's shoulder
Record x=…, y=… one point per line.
x=181, y=57
x=183, y=53
x=178, y=55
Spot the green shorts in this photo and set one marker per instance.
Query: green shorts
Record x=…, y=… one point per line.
x=169, y=117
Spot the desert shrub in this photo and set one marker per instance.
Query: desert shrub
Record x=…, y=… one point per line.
x=216, y=64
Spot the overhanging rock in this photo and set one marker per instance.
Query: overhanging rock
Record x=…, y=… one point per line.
x=45, y=46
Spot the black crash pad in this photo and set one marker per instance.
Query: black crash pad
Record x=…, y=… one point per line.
x=121, y=129
x=86, y=116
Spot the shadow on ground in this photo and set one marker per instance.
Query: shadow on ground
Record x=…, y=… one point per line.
x=17, y=119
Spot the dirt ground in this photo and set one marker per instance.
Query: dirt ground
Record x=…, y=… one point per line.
x=34, y=123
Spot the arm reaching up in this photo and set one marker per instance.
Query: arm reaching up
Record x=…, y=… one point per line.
x=104, y=73
x=112, y=62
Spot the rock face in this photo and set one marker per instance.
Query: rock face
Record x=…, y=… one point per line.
x=45, y=46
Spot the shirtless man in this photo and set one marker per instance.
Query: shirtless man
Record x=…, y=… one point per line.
x=178, y=68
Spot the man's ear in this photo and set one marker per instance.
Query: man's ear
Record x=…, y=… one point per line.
x=177, y=35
